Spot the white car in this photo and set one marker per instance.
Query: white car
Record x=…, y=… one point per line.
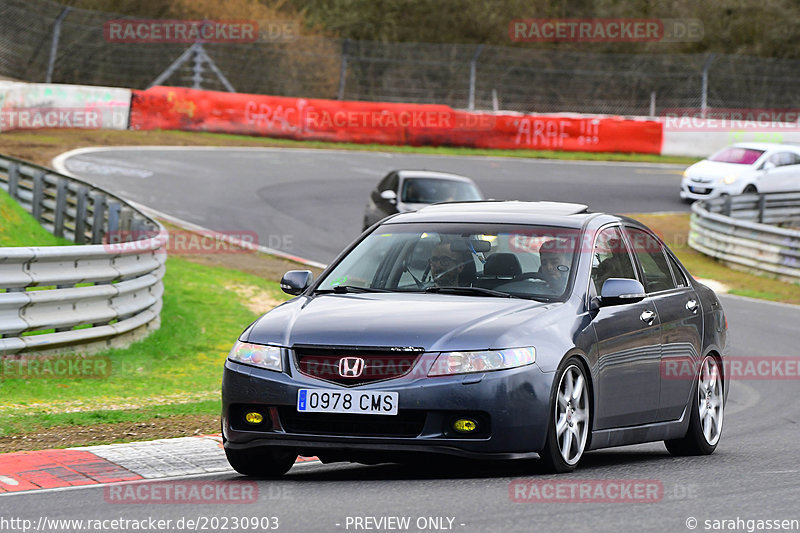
x=744, y=168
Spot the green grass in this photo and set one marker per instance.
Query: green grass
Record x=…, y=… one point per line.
x=175, y=370
x=15, y=424
x=180, y=364
x=674, y=229
x=19, y=228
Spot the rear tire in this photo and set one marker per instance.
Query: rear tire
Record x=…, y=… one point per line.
x=707, y=410
x=264, y=461
x=570, y=417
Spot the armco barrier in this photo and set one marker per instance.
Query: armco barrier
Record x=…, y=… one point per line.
x=385, y=123
x=25, y=106
x=110, y=292
x=744, y=231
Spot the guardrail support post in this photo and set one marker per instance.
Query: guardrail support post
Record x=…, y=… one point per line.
x=113, y=222
x=99, y=203
x=38, y=195
x=727, y=207
x=80, y=215
x=61, y=207
x=13, y=180
x=762, y=203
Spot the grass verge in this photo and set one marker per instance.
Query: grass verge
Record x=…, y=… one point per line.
x=674, y=229
x=174, y=371
x=43, y=145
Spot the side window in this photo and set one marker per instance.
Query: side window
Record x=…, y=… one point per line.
x=677, y=273
x=781, y=159
x=650, y=253
x=611, y=258
x=795, y=159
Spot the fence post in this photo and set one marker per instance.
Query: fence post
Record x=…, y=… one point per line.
x=343, y=69
x=727, y=206
x=54, y=45
x=704, y=89
x=472, y=69
x=762, y=203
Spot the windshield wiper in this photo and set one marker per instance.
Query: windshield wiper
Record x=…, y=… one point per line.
x=344, y=289
x=478, y=291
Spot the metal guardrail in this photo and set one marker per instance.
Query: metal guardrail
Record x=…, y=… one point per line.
x=755, y=231
x=97, y=294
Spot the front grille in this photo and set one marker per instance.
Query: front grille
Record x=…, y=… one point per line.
x=407, y=423
x=376, y=364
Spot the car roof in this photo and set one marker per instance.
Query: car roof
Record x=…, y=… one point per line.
x=405, y=174
x=768, y=146
x=504, y=212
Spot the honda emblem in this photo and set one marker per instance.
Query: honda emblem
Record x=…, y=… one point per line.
x=351, y=367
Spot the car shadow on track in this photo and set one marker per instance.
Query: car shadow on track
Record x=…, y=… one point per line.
x=594, y=463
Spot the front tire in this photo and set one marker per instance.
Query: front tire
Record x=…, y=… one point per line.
x=707, y=410
x=264, y=461
x=568, y=430
x=750, y=189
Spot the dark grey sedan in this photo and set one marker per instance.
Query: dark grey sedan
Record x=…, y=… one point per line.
x=490, y=330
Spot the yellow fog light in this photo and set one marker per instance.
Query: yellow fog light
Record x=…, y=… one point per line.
x=465, y=425
x=254, y=418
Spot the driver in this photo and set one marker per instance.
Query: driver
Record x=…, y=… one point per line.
x=554, y=265
x=446, y=265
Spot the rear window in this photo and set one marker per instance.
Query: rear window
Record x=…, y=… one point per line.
x=738, y=156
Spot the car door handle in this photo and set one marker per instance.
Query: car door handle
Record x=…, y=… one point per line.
x=648, y=317
x=691, y=305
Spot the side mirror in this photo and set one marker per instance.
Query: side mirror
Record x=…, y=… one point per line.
x=389, y=195
x=769, y=165
x=296, y=281
x=618, y=291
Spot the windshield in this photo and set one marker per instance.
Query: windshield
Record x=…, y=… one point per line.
x=738, y=156
x=477, y=259
x=431, y=190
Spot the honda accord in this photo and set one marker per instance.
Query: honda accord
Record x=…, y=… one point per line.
x=489, y=330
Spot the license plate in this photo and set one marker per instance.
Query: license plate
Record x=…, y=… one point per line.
x=353, y=402
x=698, y=190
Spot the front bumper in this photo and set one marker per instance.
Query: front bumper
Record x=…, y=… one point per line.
x=701, y=191
x=512, y=405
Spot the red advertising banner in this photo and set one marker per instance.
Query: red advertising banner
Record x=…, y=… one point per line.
x=384, y=123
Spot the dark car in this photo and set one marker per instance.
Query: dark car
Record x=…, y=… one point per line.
x=408, y=190
x=482, y=330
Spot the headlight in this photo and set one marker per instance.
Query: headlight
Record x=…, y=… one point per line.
x=730, y=178
x=259, y=355
x=686, y=173
x=449, y=363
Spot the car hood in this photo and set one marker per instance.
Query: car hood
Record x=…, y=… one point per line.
x=716, y=170
x=435, y=322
